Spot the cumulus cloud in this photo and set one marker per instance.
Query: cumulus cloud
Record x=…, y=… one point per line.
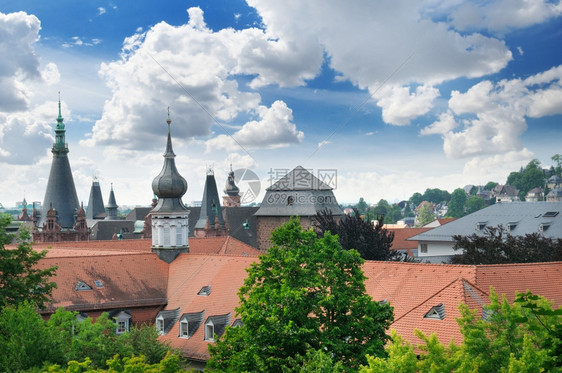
x=18, y=34
x=501, y=16
x=400, y=106
x=274, y=129
x=490, y=118
x=26, y=136
x=193, y=70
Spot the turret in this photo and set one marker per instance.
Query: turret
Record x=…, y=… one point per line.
x=170, y=216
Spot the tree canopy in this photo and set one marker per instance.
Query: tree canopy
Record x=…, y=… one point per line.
x=457, y=203
x=373, y=242
x=523, y=337
x=305, y=296
x=497, y=246
x=20, y=279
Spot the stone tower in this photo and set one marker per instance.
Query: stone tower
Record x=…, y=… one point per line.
x=231, y=191
x=170, y=216
x=211, y=222
x=112, y=206
x=61, y=192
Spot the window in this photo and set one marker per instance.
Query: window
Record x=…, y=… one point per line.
x=550, y=214
x=160, y=325
x=184, y=329
x=436, y=312
x=122, y=326
x=480, y=225
x=209, y=332
x=543, y=227
x=98, y=283
x=81, y=286
x=423, y=247
x=205, y=290
x=511, y=226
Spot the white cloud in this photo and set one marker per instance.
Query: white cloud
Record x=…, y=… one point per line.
x=400, y=106
x=26, y=137
x=101, y=10
x=493, y=116
x=501, y=16
x=18, y=34
x=274, y=129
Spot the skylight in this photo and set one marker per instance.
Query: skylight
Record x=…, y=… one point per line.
x=205, y=290
x=550, y=214
x=98, y=283
x=81, y=285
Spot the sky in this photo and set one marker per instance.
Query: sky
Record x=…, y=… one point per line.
x=389, y=98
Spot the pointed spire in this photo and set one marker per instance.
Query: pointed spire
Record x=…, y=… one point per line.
x=169, y=151
x=111, y=206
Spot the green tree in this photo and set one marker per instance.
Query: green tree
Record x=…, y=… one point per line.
x=20, y=279
x=25, y=341
x=490, y=185
x=497, y=246
x=306, y=294
x=511, y=338
x=425, y=214
x=373, y=242
x=557, y=158
x=436, y=195
x=362, y=206
x=474, y=203
x=456, y=204
x=416, y=199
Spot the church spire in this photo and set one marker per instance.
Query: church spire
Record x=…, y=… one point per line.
x=60, y=148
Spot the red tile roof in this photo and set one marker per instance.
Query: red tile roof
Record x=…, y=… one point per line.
x=402, y=234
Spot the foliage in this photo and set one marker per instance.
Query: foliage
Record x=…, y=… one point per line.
x=473, y=204
x=532, y=176
x=416, y=199
x=425, y=214
x=557, y=158
x=456, y=204
x=169, y=364
x=373, y=242
x=20, y=280
x=24, y=339
x=306, y=294
x=490, y=185
x=30, y=341
x=361, y=206
x=510, y=339
x=436, y=195
x=497, y=246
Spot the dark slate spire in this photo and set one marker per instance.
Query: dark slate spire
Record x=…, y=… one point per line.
x=95, y=203
x=111, y=206
x=210, y=205
x=61, y=192
x=169, y=185
x=230, y=188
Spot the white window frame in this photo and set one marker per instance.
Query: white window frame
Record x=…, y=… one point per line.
x=423, y=248
x=160, y=325
x=184, y=333
x=210, y=331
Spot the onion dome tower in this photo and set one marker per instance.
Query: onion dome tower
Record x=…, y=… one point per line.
x=112, y=206
x=231, y=191
x=170, y=216
x=61, y=192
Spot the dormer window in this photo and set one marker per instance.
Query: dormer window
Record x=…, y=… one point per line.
x=123, y=321
x=436, y=312
x=160, y=325
x=543, y=227
x=210, y=331
x=82, y=286
x=511, y=226
x=184, y=328
x=480, y=225
x=205, y=291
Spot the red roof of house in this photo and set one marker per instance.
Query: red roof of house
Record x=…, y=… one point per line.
x=402, y=234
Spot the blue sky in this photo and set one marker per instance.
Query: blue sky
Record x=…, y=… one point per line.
x=396, y=96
